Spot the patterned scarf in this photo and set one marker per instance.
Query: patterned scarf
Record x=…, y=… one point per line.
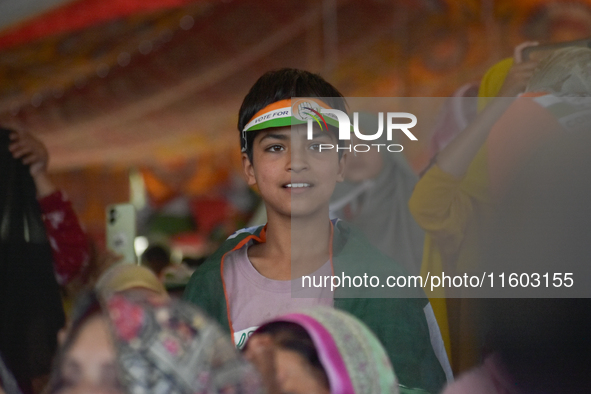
x=171, y=347
x=351, y=355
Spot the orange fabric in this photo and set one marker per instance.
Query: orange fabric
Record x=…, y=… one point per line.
x=271, y=107
x=193, y=177
x=157, y=189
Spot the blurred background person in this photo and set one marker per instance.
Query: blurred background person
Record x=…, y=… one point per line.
x=174, y=276
x=522, y=126
x=127, y=345
x=87, y=358
x=374, y=197
x=540, y=345
x=321, y=350
x=29, y=199
x=69, y=244
x=452, y=199
x=156, y=258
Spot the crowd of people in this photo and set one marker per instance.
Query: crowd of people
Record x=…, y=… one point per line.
x=507, y=191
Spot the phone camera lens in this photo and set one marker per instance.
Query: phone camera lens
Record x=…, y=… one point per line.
x=112, y=216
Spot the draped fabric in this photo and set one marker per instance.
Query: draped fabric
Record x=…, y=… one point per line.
x=31, y=311
x=170, y=347
x=459, y=248
x=351, y=355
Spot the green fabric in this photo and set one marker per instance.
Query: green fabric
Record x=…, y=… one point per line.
x=399, y=323
x=406, y=390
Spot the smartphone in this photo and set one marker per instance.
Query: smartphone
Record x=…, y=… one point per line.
x=538, y=52
x=121, y=230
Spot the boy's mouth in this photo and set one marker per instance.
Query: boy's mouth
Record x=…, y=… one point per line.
x=297, y=185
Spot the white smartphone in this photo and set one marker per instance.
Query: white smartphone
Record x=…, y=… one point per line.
x=121, y=230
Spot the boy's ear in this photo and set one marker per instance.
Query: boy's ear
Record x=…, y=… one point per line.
x=342, y=166
x=248, y=170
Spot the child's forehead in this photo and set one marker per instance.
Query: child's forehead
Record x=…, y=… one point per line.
x=295, y=131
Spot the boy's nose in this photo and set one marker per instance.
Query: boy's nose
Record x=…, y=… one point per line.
x=298, y=161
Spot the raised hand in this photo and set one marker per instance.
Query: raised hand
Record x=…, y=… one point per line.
x=521, y=72
x=517, y=78
x=30, y=150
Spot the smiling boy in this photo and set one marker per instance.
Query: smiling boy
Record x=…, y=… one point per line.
x=254, y=275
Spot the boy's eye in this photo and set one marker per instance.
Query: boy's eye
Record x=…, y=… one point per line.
x=315, y=147
x=275, y=148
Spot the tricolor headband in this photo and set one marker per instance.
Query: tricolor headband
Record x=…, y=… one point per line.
x=289, y=112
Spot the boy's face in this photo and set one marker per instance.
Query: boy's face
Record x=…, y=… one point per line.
x=294, y=176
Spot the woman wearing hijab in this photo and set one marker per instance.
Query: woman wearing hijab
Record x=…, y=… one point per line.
x=148, y=344
x=321, y=351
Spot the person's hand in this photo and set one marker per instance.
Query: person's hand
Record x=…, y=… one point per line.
x=517, y=78
x=260, y=351
x=30, y=151
x=519, y=74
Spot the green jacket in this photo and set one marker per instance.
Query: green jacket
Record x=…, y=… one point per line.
x=399, y=323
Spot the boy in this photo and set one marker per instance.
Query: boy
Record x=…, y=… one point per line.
x=249, y=279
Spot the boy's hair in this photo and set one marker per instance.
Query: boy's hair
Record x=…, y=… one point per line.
x=280, y=85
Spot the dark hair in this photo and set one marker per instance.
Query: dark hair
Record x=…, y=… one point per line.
x=284, y=84
x=292, y=336
x=29, y=327
x=156, y=257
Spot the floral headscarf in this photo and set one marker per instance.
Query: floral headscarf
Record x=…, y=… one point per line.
x=168, y=346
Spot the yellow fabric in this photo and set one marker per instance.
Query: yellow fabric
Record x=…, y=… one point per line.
x=432, y=263
x=492, y=81
x=449, y=210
